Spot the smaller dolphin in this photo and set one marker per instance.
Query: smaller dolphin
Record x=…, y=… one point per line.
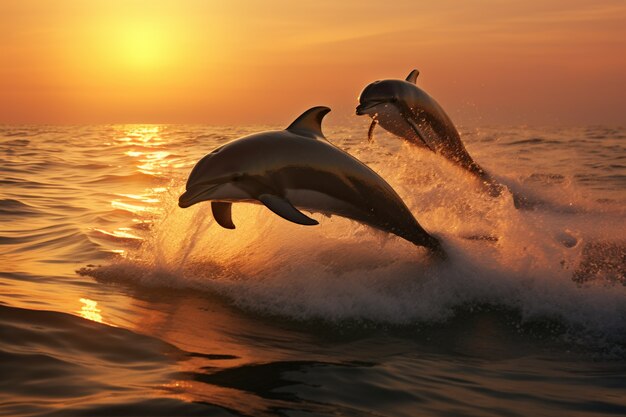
x=405, y=110
x=297, y=168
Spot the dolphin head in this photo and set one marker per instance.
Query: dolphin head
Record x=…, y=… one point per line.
x=380, y=94
x=216, y=169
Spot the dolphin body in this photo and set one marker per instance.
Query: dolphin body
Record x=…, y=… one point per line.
x=297, y=168
x=407, y=111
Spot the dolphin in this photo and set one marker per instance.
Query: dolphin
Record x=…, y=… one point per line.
x=298, y=169
x=407, y=111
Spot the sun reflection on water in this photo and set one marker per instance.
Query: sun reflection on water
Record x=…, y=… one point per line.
x=142, y=136
x=144, y=149
x=157, y=162
x=120, y=232
x=144, y=198
x=133, y=208
x=154, y=162
x=89, y=310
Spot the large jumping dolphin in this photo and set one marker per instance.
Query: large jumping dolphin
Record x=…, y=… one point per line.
x=405, y=110
x=298, y=169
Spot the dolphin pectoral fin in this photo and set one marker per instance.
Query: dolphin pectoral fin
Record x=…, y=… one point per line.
x=370, y=132
x=309, y=123
x=222, y=214
x=418, y=132
x=412, y=77
x=286, y=210
x=407, y=114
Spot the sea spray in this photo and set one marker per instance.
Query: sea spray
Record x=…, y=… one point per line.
x=525, y=261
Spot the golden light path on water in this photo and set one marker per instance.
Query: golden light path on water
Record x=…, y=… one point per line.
x=149, y=159
x=142, y=152
x=247, y=306
x=90, y=311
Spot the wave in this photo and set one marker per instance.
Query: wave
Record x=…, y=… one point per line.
x=117, y=237
x=13, y=207
x=83, y=367
x=342, y=272
x=17, y=236
x=136, y=177
x=532, y=141
x=546, y=178
x=23, y=183
x=62, y=243
x=560, y=261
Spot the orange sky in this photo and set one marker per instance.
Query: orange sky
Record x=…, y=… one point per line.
x=224, y=62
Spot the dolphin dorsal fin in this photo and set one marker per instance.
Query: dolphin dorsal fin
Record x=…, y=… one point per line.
x=412, y=77
x=309, y=123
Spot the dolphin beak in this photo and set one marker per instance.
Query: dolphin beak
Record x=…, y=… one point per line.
x=195, y=194
x=362, y=109
x=184, y=200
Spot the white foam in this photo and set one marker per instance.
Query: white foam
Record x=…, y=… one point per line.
x=340, y=270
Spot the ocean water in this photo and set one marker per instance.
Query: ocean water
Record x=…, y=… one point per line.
x=116, y=302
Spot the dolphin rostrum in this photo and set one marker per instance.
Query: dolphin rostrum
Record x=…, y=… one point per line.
x=405, y=110
x=298, y=169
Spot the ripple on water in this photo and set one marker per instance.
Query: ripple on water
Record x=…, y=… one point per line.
x=81, y=367
x=14, y=208
x=335, y=319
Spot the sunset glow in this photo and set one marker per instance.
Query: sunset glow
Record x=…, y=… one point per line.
x=248, y=62
x=329, y=208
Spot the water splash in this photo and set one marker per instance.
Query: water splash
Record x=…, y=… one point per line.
x=340, y=270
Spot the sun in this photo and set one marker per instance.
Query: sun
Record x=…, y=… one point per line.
x=135, y=45
x=144, y=48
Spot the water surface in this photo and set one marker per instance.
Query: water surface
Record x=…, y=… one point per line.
x=115, y=301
